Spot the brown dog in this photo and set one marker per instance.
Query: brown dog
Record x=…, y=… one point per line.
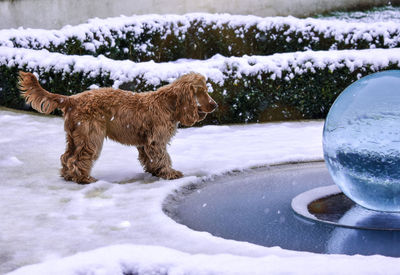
x=146, y=120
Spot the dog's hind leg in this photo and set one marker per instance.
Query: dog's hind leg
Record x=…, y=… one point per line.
x=156, y=160
x=87, y=138
x=67, y=168
x=69, y=152
x=144, y=159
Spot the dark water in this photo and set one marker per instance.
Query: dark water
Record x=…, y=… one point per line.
x=256, y=207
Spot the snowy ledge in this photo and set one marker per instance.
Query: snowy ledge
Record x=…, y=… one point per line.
x=247, y=87
x=170, y=37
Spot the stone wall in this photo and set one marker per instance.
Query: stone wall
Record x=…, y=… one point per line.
x=53, y=14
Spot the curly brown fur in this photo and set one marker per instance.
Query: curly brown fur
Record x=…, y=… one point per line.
x=146, y=120
x=39, y=98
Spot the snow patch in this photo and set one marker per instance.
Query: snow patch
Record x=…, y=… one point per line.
x=11, y=161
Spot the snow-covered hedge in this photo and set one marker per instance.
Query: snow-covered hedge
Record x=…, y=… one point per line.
x=201, y=36
x=247, y=89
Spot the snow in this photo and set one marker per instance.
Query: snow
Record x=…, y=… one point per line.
x=9, y=161
x=117, y=225
x=117, y=259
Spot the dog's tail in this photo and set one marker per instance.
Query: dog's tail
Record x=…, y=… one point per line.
x=40, y=99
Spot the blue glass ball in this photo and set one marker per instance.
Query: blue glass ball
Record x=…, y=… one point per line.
x=361, y=141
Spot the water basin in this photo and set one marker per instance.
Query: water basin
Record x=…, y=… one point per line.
x=255, y=206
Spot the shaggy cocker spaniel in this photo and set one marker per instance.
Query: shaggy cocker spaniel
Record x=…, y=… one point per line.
x=146, y=120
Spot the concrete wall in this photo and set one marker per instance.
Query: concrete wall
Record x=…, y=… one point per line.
x=53, y=14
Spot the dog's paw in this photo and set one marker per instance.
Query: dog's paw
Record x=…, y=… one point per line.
x=175, y=175
x=170, y=174
x=86, y=180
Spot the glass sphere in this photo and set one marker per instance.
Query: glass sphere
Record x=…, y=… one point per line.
x=361, y=141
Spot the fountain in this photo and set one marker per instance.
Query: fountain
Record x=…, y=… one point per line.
x=348, y=205
x=361, y=143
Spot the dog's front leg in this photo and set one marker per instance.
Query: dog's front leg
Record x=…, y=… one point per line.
x=156, y=160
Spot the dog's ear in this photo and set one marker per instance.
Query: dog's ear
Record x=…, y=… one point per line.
x=186, y=108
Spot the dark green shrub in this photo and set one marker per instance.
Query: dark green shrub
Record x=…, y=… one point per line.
x=302, y=89
x=168, y=38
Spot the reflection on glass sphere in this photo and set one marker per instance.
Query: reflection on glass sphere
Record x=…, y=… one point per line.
x=361, y=141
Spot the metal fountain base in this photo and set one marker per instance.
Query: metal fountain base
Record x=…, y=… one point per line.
x=329, y=205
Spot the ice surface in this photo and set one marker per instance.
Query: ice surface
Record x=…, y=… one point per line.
x=254, y=206
x=361, y=141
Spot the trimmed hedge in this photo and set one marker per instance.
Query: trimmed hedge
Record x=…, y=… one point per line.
x=200, y=36
x=247, y=89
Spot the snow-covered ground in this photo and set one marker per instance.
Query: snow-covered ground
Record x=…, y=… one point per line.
x=117, y=226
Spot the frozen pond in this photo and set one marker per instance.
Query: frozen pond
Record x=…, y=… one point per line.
x=256, y=207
